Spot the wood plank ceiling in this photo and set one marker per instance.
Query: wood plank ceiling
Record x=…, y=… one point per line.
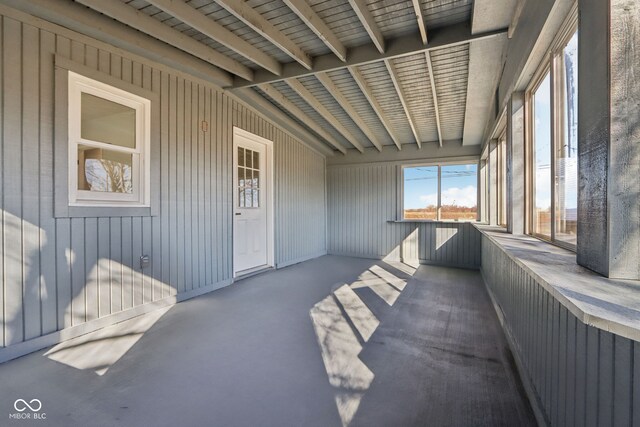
x=357, y=74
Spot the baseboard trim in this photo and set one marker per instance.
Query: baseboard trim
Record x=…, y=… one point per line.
x=35, y=344
x=410, y=262
x=536, y=405
x=301, y=259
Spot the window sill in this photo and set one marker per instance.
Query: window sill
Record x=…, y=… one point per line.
x=105, y=211
x=442, y=221
x=609, y=304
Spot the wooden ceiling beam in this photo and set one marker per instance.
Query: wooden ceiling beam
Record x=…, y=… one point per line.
x=310, y=99
x=420, y=18
x=260, y=25
x=346, y=106
x=401, y=95
x=317, y=25
x=193, y=18
x=278, y=97
x=369, y=24
x=439, y=38
x=377, y=108
x=86, y=21
x=434, y=94
x=148, y=25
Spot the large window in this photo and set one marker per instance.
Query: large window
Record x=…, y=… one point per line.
x=553, y=146
x=108, y=145
x=440, y=192
x=501, y=156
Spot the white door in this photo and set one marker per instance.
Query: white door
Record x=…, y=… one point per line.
x=252, y=188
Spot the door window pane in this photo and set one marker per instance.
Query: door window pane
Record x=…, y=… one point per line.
x=240, y=156
x=104, y=170
x=248, y=163
x=248, y=178
x=256, y=160
x=421, y=192
x=107, y=121
x=567, y=147
x=542, y=158
x=459, y=192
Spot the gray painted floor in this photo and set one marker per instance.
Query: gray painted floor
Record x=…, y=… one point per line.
x=281, y=349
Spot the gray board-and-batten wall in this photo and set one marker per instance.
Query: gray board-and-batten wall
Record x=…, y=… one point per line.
x=64, y=275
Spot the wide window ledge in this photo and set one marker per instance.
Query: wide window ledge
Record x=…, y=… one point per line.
x=442, y=221
x=608, y=304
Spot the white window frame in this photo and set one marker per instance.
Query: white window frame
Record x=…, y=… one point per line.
x=141, y=168
x=439, y=165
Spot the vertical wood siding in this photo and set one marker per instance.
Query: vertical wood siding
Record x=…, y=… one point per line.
x=362, y=200
x=58, y=273
x=580, y=375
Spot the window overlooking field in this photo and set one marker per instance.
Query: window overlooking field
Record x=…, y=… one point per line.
x=448, y=192
x=553, y=144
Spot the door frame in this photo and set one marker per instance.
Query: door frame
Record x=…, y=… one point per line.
x=270, y=177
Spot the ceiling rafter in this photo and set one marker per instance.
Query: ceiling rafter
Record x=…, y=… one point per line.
x=346, y=106
x=369, y=24
x=217, y=32
x=260, y=25
x=377, y=108
x=411, y=44
x=432, y=80
x=434, y=94
x=396, y=83
x=310, y=99
x=420, y=18
x=317, y=25
x=278, y=97
x=264, y=107
x=140, y=21
x=86, y=21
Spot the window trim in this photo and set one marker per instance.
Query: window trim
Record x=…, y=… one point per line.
x=140, y=196
x=549, y=64
x=438, y=164
x=61, y=207
x=501, y=180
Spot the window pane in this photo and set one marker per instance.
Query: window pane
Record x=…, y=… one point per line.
x=241, y=177
x=542, y=158
x=256, y=179
x=240, y=156
x=502, y=159
x=420, y=192
x=107, y=121
x=256, y=198
x=248, y=161
x=104, y=170
x=248, y=193
x=459, y=188
x=567, y=149
x=256, y=160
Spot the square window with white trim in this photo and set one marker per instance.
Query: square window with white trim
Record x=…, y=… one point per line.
x=109, y=140
x=440, y=192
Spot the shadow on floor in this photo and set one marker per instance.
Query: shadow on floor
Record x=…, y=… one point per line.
x=431, y=353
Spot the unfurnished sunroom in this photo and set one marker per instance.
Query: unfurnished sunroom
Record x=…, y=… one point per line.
x=319, y=212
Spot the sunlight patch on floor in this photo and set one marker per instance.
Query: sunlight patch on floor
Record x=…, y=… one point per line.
x=378, y=285
x=340, y=347
x=363, y=319
x=100, y=350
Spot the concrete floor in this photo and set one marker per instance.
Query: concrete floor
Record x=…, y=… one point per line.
x=330, y=342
